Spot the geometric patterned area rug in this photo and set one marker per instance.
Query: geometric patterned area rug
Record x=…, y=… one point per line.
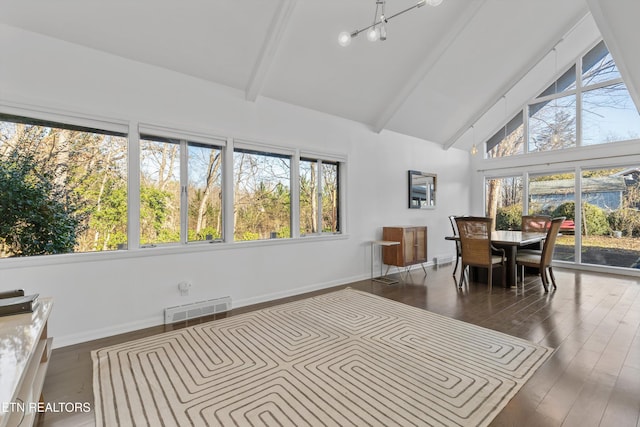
x=346, y=358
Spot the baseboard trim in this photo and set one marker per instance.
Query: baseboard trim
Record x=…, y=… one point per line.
x=82, y=337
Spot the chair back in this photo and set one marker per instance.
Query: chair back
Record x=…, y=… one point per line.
x=475, y=240
x=454, y=227
x=550, y=241
x=535, y=223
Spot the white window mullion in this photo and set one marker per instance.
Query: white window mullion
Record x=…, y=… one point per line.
x=525, y=129
x=184, y=192
x=578, y=215
x=342, y=197
x=227, y=191
x=133, y=192
x=525, y=193
x=295, y=195
x=319, y=195
x=579, y=103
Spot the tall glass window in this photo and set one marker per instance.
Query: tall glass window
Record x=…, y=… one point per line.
x=504, y=202
x=554, y=195
x=610, y=217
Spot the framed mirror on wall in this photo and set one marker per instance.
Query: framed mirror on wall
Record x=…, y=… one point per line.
x=422, y=190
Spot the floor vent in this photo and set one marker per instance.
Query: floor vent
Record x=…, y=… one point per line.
x=196, y=309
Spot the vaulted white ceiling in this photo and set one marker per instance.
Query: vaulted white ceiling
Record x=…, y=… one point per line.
x=437, y=72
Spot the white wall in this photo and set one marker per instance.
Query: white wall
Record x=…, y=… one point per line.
x=98, y=295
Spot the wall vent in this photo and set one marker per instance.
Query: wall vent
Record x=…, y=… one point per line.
x=196, y=309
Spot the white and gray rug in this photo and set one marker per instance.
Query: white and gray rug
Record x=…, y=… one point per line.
x=346, y=358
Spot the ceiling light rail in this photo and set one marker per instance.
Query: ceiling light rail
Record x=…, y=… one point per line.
x=378, y=30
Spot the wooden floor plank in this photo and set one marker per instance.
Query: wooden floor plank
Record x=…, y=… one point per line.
x=592, y=321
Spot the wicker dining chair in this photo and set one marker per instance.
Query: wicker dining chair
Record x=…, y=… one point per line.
x=542, y=259
x=454, y=227
x=535, y=223
x=476, y=248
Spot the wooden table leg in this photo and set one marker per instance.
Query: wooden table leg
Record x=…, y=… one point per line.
x=512, y=271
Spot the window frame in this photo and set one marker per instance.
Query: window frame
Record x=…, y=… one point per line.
x=133, y=130
x=577, y=91
x=320, y=162
x=183, y=139
x=80, y=123
x=243, y=146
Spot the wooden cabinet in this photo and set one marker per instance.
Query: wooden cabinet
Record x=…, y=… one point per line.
x=412, y=248
x=25, y=351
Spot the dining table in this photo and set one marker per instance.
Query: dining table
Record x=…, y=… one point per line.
x=510, y=241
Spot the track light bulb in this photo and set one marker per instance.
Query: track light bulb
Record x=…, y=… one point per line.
x=434, y=3
x=344, y=39
x=373, y=34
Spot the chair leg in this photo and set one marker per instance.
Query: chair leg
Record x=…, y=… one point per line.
x=462, y=270
x=456, y=267
x=504, y=276
x=490, y=275
x=543, y=276
x=553, y=279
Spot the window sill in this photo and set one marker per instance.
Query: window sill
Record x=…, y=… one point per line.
x=160, y=250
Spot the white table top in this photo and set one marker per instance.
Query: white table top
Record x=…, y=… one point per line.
x=384, y=242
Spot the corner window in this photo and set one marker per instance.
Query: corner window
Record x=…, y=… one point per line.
x=63, y=188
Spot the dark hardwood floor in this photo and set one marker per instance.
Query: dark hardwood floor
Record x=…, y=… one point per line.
x=592, y=320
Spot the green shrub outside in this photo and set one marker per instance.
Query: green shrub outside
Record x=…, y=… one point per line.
x=597, y=223
x=625, y=220
x=509, y=217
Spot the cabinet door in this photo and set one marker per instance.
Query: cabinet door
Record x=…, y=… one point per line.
x=393, y=255
x=410, y=249
x=421, y=244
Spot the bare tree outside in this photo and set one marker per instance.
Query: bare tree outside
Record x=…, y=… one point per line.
x=262, y=197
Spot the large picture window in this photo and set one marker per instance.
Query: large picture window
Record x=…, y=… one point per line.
x=63, y=188
x=66, y=188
